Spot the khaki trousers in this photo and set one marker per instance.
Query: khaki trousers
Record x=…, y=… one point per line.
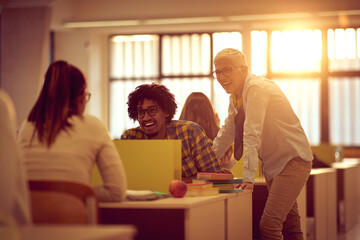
x=280, y=219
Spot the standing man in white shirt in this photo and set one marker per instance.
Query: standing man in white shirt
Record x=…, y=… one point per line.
x=268, y=130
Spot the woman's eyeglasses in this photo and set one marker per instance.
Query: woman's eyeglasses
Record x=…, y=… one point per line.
x=87, y=96
x=152, y=111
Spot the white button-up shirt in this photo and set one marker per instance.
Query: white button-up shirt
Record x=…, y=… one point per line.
x=272, y=131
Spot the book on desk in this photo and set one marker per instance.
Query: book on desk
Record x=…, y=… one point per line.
x=214, y=176
x=224, y=182
x=199, y=185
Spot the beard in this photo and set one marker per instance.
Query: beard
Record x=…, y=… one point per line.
x=151, y=135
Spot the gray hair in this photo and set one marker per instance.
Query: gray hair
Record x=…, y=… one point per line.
x=238, y=56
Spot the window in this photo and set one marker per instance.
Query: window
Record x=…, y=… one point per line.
x=183, y=63
x=311, y=78
x=304, y=97
x=134, y=60
x=294, y=53
x=344, y=86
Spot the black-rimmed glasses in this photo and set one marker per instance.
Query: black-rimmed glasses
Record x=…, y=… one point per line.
x=226, y=72
x=152, y=111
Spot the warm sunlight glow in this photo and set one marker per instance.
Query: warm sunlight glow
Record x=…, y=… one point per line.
x=331, y=44
x=344, y=49
x=134, y=38
x=259, y=52
x=343, y=43
x=227, y=40
x=358, y=42
x=340, y=44
x=350, y=43
x=296, y=51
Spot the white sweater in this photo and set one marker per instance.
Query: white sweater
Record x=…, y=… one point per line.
x=73, y=154
x=14, y=193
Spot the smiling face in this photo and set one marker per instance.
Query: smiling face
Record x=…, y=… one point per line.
x=234, y=82
x=153, y=126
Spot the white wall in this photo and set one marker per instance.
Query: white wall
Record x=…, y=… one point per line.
x=87, y=51
x=24, y=55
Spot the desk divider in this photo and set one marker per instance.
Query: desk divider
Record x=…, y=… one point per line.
x=149, y=164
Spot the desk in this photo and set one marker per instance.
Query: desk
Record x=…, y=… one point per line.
x=347, y=187
x=321, y=203
x=260, y=195
x=70, y=232
x=355, y=161
x=238, y=210
x=171, y=218
x=191, y=218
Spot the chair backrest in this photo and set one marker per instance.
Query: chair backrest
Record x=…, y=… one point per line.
x=73, y=195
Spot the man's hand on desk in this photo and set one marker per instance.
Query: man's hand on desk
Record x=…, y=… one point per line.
x=225, y=170
x=245, y=186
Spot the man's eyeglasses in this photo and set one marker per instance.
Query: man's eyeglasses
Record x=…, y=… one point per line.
x=226, y=72
x=152, y=111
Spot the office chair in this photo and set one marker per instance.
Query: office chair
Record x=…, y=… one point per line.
x=63, y=202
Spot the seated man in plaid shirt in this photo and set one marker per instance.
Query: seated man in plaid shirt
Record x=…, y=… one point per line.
x=154, y=106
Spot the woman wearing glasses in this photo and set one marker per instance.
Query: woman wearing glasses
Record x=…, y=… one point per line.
x=60, y=142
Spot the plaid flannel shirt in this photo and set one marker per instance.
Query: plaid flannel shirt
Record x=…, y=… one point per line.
x=197, y=151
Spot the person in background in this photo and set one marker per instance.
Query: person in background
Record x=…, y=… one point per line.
x=154, y=107
x=14, y=192
x=198, y=108
x=60, y=142
x=272, y=133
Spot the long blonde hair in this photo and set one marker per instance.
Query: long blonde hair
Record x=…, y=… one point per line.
x=198, y=108
x=63, y=84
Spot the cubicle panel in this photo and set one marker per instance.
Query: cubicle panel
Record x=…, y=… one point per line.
x=206, y=221
x=321, y=204
x=320, y=208
x=148, y=164
x=331, y=201
x=346, y=194
x=326, y=152
x=238, y=211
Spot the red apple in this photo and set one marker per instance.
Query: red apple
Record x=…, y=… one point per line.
x=177, y=188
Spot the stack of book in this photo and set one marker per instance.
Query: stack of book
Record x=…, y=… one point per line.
x=201, y=189
x=223, y=181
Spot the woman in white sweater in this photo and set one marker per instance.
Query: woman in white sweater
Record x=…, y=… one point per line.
x=14, y=200
x=60, y=142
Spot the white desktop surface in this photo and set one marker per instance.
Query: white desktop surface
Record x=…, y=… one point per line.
x=166, y=203
x=71, y=232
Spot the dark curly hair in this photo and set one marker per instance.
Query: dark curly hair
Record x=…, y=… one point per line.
x=156, y=92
